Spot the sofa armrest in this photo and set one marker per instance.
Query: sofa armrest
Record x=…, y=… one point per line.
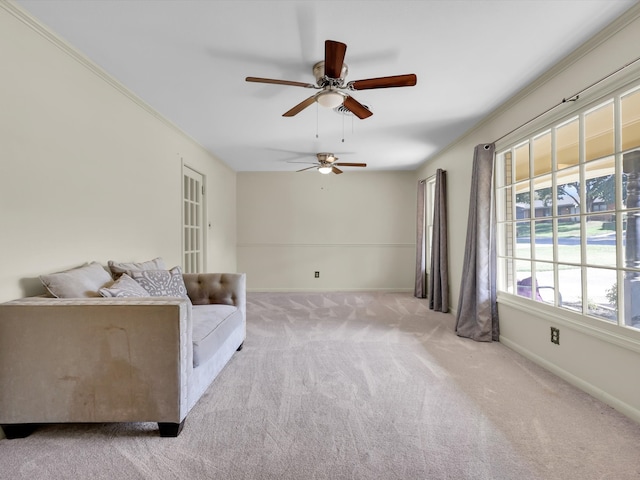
x=94, y=360
x=217, y=288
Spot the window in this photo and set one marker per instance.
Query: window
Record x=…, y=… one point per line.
x=568, y=201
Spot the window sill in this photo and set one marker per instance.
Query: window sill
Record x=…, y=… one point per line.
x=621, y=336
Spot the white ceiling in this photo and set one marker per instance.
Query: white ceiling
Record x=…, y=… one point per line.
x=189, y=59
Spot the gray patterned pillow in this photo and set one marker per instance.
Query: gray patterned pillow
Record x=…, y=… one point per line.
x=118, y=268
x=161, y=283
x=125, y=286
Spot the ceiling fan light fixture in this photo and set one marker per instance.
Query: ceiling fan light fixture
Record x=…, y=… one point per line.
x=330, y=98
x=325, y=170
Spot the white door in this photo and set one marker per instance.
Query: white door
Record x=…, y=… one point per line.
x=192, y=221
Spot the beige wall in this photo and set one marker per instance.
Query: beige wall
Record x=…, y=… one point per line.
x=595, y=360
x=357, y=229
x=87, y=172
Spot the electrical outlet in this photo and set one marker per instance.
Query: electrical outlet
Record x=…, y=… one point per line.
x=555, y=335
x=317, y=275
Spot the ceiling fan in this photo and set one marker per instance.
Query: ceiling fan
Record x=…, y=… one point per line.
x=330, y=80
x=327, y=163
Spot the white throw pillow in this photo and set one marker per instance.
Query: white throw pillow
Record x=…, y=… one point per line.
x=79, y=282
x=118, y=268
x=125, y=286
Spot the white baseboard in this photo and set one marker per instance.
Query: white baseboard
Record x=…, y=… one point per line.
x=583, y=385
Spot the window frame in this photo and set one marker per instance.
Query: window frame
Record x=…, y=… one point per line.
x=507, y=212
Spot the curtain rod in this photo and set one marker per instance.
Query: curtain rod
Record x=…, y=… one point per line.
x=571, y=98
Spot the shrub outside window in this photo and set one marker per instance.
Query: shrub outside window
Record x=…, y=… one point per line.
x=568, y=201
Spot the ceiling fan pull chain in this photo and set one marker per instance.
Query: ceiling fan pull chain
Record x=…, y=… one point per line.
x=317, y=120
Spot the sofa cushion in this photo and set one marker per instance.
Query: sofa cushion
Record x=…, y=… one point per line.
x=79, y=282
x=161, y=283
x=211, y=328
x=125, y=286
x=118, y=268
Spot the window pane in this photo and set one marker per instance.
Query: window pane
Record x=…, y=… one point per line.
x=544, y=240
x=545, y=291
x=570, y=286
x=522, y=162
x=192, y=189
x=630, y=106
x=523, y=276
x=632, y=299
x=505, y=275
x=504, y=205
x=598, y=126
x=508, y=202
x=523, y=239
x=543, y=196
x=567, y=146
x=523, y=200
x=568, y=238
x=601, y=239
x=631, y=239
x=631, y=179
x=505, y=232
x=568, y=192
x=542, y=154
x=506, y=161
x=600, y=185
x=601, y=288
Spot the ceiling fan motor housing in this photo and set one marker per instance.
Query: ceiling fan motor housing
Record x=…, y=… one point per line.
x=322, y=80
x=326, y=157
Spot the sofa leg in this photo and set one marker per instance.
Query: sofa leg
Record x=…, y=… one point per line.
x=168, y=429
x=240, y=347
x=18, y=430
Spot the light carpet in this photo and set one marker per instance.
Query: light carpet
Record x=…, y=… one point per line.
x=355, y=386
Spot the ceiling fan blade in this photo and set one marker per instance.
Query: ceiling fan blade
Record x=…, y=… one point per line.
x=301, y=106
x=356, y=108
x=343, y=164
x=279, y=82
x=308, y=168
x=333, y=58
x=385, y=82
x=336, y=170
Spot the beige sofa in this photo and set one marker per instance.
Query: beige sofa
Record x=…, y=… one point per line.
x=143, y=359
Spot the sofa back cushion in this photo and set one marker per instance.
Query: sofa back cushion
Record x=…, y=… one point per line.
x=218, y=288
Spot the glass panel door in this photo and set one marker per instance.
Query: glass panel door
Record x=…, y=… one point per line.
x=192, y=221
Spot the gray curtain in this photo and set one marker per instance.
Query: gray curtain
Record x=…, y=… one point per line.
x=477, y=316
x=439, y=278
x=420, y=290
